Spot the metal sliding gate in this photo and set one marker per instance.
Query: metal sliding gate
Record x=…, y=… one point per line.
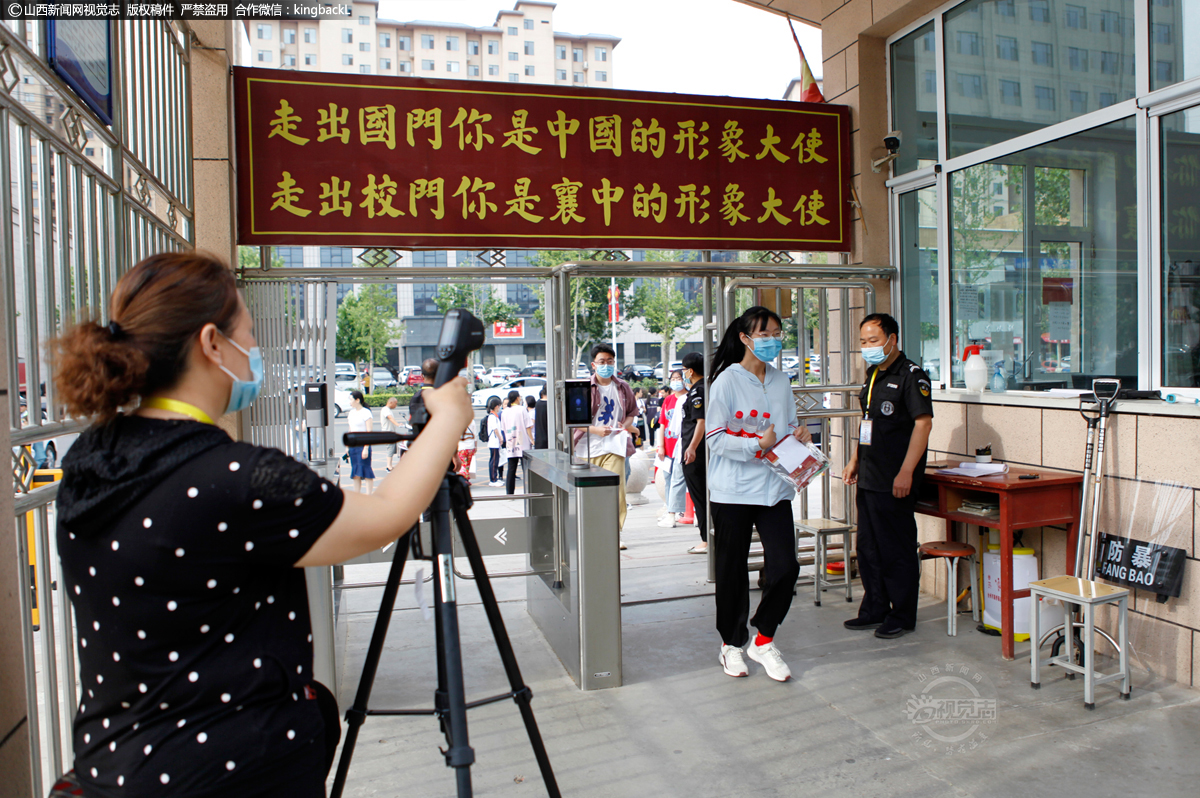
x=82, y=200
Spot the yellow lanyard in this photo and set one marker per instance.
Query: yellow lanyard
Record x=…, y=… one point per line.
x=870, y=389
x=176, y=406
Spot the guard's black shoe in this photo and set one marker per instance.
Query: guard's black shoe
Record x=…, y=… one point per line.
x=861, y=624
x=889, y=631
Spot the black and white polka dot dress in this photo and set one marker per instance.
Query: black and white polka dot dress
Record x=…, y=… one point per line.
x=194, y=639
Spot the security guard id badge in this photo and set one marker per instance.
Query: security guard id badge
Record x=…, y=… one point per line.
x=864, y=429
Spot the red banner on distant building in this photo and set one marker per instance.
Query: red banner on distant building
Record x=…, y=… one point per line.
x=331, y=159
x=502, y=330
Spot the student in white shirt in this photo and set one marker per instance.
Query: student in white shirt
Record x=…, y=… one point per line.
x=389, y=419
x=518, y=436
x=360, y=420
x=495, y=442
x=609, y=439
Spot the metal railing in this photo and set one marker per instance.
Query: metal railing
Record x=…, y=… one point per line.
x=85, y=201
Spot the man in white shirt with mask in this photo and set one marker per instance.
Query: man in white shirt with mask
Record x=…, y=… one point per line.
x=609, y=438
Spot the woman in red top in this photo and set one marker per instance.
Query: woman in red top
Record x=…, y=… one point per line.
x=675, y=490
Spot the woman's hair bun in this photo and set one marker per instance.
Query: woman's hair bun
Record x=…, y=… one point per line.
x=97, y=373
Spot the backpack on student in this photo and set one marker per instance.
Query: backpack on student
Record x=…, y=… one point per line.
x=483, y=422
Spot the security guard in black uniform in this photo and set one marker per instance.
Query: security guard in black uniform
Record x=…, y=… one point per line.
x=887, y=466
x=691, y=437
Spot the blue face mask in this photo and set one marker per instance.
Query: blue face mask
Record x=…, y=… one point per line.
x=874, y=355
x=767, y=349
x=605, y=372
x=243, y=392
x=677, y=385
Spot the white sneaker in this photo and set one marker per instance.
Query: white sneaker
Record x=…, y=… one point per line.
x=732, y=662
x=668, y=521
x=772, y=661
x=495, y=484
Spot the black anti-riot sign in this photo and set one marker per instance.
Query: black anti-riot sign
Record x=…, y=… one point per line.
x=1135, y=563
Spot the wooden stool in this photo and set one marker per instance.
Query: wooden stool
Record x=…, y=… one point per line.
x=821, y=529
x=952, y=552
x=1088, y=595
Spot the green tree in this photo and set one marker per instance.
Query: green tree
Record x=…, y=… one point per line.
x=589, y=301
x=664, y=311
x=248, y=258
x=364, y=325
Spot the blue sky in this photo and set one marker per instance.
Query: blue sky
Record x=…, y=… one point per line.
x=667, y=45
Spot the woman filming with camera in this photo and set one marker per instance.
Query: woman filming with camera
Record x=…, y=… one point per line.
x=746, y=494
x=181, y=549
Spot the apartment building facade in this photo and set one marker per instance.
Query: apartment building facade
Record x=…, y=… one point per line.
x=520, y=46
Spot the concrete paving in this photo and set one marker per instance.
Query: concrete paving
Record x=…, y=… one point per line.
x=681, y=727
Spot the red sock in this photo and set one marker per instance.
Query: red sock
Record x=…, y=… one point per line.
x=759, y=640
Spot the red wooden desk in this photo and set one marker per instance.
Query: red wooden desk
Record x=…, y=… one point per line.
x=1051, y=500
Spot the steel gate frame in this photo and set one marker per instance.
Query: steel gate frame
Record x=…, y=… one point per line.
x=82, y=219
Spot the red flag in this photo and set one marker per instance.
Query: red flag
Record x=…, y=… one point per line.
x=809, y=91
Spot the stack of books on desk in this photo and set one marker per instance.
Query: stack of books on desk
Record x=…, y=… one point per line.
x=985, y=509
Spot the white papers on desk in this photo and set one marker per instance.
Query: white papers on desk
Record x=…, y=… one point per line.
x=969, y=469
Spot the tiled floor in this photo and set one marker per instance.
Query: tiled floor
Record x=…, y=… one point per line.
x=847, y=724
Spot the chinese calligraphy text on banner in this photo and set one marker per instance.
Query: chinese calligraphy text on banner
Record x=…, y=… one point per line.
x=330, y=159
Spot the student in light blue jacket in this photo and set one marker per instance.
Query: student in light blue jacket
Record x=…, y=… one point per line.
x=746, y=494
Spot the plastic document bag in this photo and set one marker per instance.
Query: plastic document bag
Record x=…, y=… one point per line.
x=798, y=463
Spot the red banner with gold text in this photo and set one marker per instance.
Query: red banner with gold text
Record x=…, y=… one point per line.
x=350, y=160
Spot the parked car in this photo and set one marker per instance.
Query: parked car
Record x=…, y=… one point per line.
x=499, y=374
x=382, y=378
x=533, y=370
x=583, y=371
x=415, y=377
x=676, y=365
x=636, y=371
x=526, y=386
x=341, y=402
x=47, y=453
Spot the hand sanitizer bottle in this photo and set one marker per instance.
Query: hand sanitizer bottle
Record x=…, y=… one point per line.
x=999, y=380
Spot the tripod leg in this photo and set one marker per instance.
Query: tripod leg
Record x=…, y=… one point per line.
x=358, y=711
x=459, y=755
x=522, y=694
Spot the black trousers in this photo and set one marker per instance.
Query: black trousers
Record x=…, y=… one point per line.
x=732, y=527
x=495, y=465
x=695, y=476
x=510, y=479
x=887, y=557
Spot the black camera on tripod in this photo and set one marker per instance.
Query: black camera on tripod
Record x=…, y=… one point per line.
x=461, y=335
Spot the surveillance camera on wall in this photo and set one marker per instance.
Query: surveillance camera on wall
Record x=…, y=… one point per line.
x=892, y=142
